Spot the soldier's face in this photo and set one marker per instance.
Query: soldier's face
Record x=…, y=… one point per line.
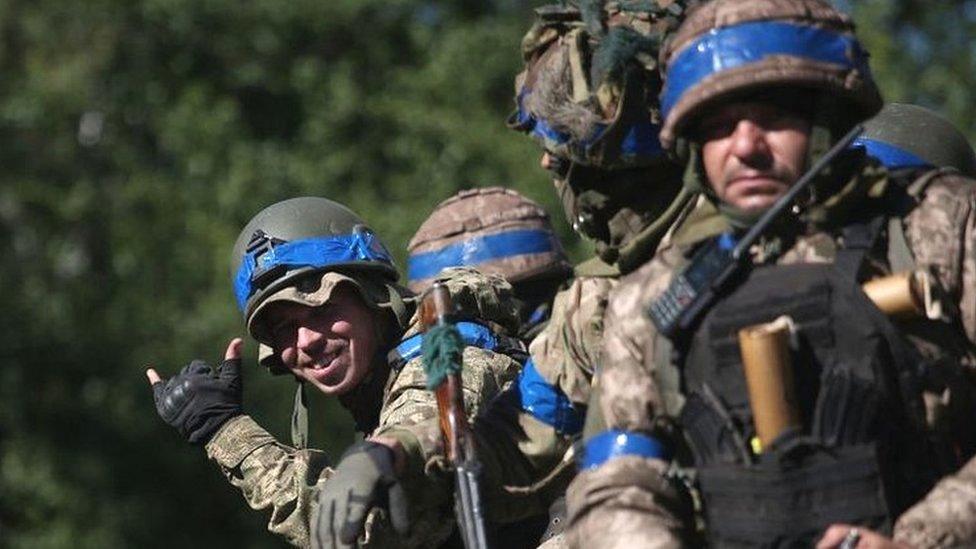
x=753, y=152
x=331, y=346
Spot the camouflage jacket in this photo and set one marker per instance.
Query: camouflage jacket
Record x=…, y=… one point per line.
x=946, y=517
x=528, y=455
x=629, y=495
x=286, y=481
x=523, y=449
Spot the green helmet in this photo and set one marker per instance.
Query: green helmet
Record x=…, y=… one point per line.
x=287, y=249
x=910, y=136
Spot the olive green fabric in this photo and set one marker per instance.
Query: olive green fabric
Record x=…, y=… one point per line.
x=924, y=133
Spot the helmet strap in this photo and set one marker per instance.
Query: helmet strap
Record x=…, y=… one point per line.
x=299, y=418
x=399, y=307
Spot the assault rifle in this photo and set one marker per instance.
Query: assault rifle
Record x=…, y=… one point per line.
x=436, y=309
x=712, y=268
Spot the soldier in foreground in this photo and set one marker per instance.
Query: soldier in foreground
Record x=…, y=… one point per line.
x=911, y=141
x=497, y=231
x=318, y=292
x=851, y=442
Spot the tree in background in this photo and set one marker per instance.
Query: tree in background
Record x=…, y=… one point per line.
x=139, y=136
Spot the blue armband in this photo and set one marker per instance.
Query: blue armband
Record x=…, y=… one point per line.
x=472, y=334
x=547, y=403
x=613, y=443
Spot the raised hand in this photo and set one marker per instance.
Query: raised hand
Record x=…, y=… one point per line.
x=198, y=400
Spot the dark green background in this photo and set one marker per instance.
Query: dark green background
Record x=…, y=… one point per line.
x=138, y=136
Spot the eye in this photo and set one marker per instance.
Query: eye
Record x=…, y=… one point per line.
x=716, y=127
x=283, y=332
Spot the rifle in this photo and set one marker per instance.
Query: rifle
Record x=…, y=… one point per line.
x=444, y=379
x=713, y=268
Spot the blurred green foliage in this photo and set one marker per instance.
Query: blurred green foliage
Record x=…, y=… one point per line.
x=138, y=136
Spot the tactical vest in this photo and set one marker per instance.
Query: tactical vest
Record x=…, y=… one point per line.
x=862, y=454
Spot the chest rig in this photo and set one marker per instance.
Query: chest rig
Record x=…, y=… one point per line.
x=859, y=454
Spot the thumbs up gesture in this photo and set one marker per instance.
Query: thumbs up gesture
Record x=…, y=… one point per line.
x=198, y=400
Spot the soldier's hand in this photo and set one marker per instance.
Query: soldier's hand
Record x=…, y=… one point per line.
x=845, y=536
x=365, y=478
x=197, y=401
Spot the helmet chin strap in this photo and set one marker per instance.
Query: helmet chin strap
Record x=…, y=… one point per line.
x=299, y=418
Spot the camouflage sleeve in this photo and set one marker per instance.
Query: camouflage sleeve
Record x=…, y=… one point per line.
x=628, y=495
x=941, y=233
x=271, y=475
x=946, y=517
x=524, y=437
x=567, y=350
x=409, y=415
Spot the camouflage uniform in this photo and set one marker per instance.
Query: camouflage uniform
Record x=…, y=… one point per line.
x=633, y=500
x=601, y=126
x=299, y=251
x=629, y=495
x=902, y=137
x=945, y=518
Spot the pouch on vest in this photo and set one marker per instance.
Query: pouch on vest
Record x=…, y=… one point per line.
x=861, y=454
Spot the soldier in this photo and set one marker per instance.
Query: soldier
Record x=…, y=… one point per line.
x=318, y=291
x=496, y=231
x=911, y=140
x=755, y=92
x=588, y=96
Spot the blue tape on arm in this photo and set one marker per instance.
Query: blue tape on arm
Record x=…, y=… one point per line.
x=309, y=252
x=480, y=250
x=547, y=403
x=472, y=334
x=613, y=444
x=890, y=156
x=738, y=45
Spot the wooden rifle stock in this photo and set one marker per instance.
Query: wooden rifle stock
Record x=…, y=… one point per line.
x=436, y=309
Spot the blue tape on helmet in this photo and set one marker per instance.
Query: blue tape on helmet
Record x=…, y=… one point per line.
x=738, y=45
x=546, y=402
x=641, y=138
x=536, y=126
x=890, y=156
x=480, y=250
x=472, y=334
x=613, y=443
x=309, y=252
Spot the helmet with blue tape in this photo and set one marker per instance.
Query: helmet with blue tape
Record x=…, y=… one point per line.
x=731, y=48
x=300, y=249
x=589, y=91
x=909, y=136
x=495, y=230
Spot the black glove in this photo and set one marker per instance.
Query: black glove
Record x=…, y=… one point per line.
x=363, y=479
x=196, y=402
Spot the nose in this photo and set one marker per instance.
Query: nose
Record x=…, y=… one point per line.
x=308, y=338
x=749, y=140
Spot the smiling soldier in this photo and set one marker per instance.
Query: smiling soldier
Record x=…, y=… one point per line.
x=318, y=292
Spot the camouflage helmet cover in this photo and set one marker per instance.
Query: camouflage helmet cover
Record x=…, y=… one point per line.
x=910, y=136
x=496, y=230
x=589, y=90
x=293, y=242
x=727, y=48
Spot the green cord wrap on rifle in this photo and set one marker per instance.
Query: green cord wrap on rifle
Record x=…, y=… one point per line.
x=441, y=350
